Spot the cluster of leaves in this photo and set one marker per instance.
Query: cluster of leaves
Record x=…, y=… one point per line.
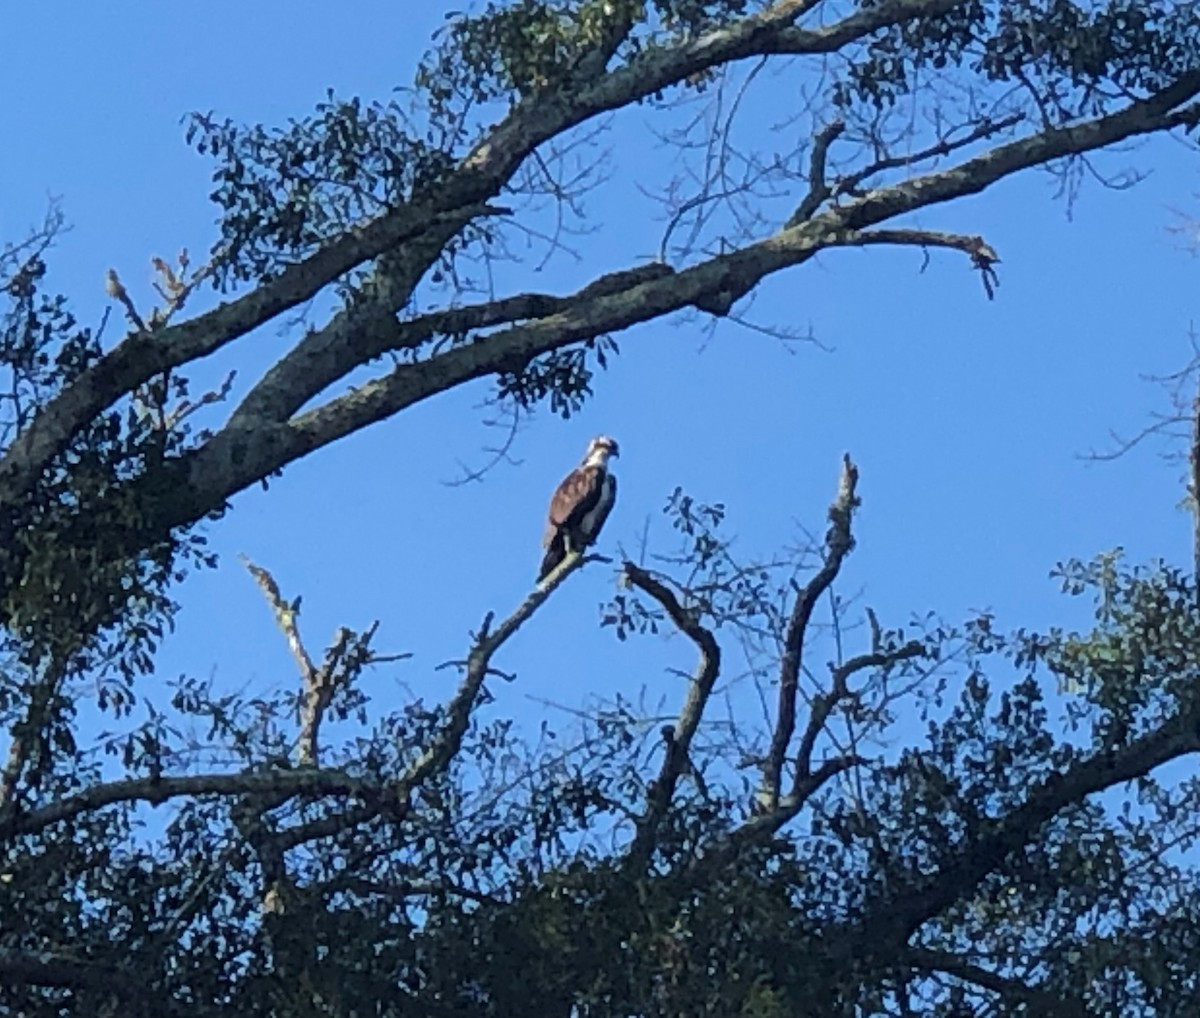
x=1074, y=60
x=509, y=50
x=284, y=192
x=564, y=378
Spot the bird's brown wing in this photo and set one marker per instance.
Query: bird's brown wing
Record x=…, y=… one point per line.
x=573, y=498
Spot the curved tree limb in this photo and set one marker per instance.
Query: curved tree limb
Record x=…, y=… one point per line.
x=676, y=759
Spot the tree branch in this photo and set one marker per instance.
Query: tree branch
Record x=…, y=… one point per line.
x=451, y=205
x=983, y=256
x=1042, y=1003
x=282, y=783
x=805, y=782
x=47, y=968
x=818, y=188
x=446, y=745
x=234, y=460
x=676, y=760
x=319, y=684
x=838, y=543
x=925, y=897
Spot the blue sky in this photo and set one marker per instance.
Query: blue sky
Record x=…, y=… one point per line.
x=967, y=417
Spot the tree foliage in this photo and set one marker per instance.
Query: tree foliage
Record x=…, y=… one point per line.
x=320, y=853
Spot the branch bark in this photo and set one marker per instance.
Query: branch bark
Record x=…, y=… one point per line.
x=676, y=759
x=155, y=790
x=47, y=968
x=838, y=543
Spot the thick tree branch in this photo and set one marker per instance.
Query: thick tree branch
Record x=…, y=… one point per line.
x=234, y=460
x=451, y=205
x=896, y=919
x=676, y=759
x=241, y=456
x=1041, y=1003
x=144, y=354
x=838, y=543
x=52, y=969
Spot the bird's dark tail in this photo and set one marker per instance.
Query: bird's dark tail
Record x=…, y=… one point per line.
x=554, y=555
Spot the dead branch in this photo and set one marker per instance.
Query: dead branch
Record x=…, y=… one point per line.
x=676, y=759
x=285, y=617
x=838, y=543
x=344, y=658
x=115, y=289
x=983, y=256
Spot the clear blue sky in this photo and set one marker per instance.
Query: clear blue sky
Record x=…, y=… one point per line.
x=967, y=417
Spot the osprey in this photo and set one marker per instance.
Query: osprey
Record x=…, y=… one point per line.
x=580, y=505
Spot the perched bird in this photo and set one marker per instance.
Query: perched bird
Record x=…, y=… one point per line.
x=580, y=505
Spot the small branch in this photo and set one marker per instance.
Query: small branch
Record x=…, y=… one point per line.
x=986, y=128
x=285, y=617
x=824, y=704
x=818, y=189
x=838, y=543
x=320, y=684
x=983, y=256
x=676, y=760
x=188, y=407
x=116, y=289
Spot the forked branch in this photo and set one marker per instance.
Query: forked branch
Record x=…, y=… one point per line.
x=838, y=543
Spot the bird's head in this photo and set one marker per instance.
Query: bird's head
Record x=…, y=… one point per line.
x=600, y=449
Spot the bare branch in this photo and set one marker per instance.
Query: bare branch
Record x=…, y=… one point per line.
x=838, y=543
x=824, y=703
x=676, y=760
x=285, y=617
x=818, y=187
x=983, y=256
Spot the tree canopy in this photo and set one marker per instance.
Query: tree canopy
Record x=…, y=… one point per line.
x=317, y=852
